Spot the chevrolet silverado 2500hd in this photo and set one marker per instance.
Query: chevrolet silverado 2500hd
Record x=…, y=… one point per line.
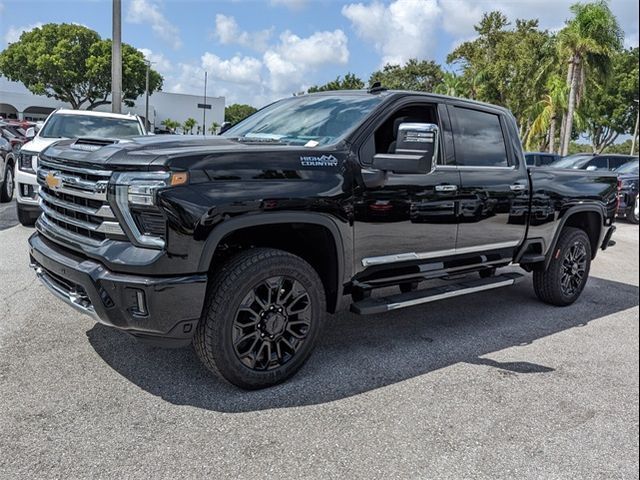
x=242, y=243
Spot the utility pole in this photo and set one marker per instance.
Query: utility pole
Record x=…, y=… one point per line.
x=116, y=57
x=146, y=97
x=204, y=110
x=635, y=130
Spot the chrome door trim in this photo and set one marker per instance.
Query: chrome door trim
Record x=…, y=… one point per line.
x=402, y=257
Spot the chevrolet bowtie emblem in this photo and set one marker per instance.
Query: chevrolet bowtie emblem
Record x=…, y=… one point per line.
x=53, y=182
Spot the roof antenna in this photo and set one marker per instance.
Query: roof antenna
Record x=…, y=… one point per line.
x=376, y=87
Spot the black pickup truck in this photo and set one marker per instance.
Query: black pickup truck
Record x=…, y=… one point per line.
x=242, y=243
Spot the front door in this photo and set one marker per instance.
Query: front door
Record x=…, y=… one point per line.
x=405, y=217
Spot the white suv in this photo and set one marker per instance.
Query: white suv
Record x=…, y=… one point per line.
x=65, y=124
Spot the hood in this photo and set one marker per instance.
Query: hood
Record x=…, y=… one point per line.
x=628, y=176
x=38, y=144
x=156, y=152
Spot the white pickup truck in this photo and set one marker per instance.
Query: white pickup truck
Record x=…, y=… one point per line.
x=61, y=124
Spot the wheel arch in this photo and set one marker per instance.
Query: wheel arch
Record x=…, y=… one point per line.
x=589, y=218
x=330, y=264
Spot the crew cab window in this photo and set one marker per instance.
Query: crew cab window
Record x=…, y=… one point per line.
x=478, y=139
x=616, y=162
x=600, y=163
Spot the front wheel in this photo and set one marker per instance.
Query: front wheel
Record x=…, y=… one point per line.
x=6, y=188
x=263, y=315
x=562, y=283
x=26, y=217
x=632, y=212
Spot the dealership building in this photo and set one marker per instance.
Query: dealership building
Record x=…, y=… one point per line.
x=17, y=102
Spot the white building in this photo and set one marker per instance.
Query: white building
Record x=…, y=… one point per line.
x=17, y=102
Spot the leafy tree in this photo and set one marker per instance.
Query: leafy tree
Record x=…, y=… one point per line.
x=189, y=125
x=506, y=66
x=548, y=112
x=452, y=85
x=610, y=109
x=418, y=75
x=237, y=112
x=71, y=63
x=349, y=82
x=589, y=42
x=169, y=124
x=213, y=129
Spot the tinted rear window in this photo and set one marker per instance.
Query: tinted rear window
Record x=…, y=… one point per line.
x=479, y=140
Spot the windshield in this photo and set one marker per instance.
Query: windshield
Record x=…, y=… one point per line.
x=62, y=125
x=309, y=120
x=573, y=161
x=628, y=168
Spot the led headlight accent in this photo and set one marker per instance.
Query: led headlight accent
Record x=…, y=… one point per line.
x=139, y=188
x=28, y=162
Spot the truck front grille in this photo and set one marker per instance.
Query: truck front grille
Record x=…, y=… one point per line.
x=74, y=200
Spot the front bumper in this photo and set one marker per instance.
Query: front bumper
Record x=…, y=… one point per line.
x=26, y=189
x=163, y=310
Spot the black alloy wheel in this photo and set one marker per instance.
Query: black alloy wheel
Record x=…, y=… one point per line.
x=272, y=323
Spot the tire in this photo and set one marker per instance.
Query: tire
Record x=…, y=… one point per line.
x=570, y=264
x=25, y=217
x=279, y=332
x=632, y=212
x=7, y=186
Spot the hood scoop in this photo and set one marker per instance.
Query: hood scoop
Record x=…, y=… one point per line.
x=88, y=144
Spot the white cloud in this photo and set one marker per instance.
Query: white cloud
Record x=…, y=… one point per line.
x=292, y=4
x=158, y=61
x=402, y=30
x=228, y=32
x=147, y=11
x=236, y=69
x=13, y=33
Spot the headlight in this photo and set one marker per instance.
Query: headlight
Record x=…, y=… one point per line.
x=28, y=162
x=135, y=198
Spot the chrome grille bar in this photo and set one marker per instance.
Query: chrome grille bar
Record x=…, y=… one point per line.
x=104, y=211
x=104, y=227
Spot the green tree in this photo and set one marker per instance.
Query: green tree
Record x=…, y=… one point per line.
x=170, y=124
x=610, y=109
x=349, y=82
x=506, y=66
x=188, y=125
x=423, y=75
x=452, y=85
x=588, y=42
x=213, y=129
x=71, y=63
x=548, y=112
x=238, y=112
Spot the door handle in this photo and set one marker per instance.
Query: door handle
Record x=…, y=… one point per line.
x=446, y=188
x=517, y=187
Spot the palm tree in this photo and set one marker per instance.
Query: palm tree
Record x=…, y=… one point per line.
x=589, y=40
x=189, y=125
x=547, y=112
x=213, y=129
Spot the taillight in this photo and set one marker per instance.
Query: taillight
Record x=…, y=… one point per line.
x=618, y=194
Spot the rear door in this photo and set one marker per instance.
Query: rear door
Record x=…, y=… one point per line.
x=494, y=195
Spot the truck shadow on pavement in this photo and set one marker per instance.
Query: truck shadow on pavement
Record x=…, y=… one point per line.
x=359, y=354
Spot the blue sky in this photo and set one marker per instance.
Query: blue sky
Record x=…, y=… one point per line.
x=257, y=51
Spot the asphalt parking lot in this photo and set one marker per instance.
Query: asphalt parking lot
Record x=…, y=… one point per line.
x=491, y=385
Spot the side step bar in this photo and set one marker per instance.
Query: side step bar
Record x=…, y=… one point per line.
x=402, y=300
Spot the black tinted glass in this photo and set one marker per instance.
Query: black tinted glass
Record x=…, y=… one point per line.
x=479, y=140
x=601, y=163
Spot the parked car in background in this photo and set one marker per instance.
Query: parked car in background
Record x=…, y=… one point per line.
x=540, y=159
x=591, y=162
x=628, y=191
x=7, y=165
x=63, y=124
x=12, y=137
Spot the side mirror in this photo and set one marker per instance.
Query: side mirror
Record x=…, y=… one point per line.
x=30, y=133
x=224, y=127
x=416, y=150
x=592, y=168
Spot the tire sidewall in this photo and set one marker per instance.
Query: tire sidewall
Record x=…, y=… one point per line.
x=220, y=323
x=570, y=240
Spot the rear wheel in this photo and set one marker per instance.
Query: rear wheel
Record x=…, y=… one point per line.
x=632, y=212
x=263, y=316
x=562, y=283
x=6, y=189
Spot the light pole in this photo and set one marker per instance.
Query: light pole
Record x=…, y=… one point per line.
x=204, y=109
x=116, y=57
x=146, y=96
x=635, y=130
